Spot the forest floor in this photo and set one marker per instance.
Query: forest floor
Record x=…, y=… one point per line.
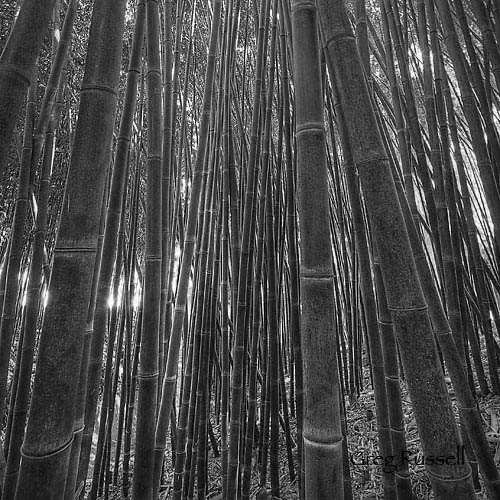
x=362, y=442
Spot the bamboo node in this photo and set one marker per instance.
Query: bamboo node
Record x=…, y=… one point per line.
x=148, y=375
x=62, y=449
x=302, y=5
x=311, y=126
x=465, y=477
x=11, y=70
x=104, y=88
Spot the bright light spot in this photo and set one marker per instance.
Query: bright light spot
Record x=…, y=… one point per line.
x=24, y=281
x=120, y=292
x=136, y=299
x=111, y=300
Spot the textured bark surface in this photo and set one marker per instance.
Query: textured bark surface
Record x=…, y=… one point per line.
x=437, y=428
x=322, y=409
x=49, y=432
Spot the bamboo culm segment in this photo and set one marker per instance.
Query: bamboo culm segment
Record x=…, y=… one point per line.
x=405, y=299
x=49, y=431
x=323, y=456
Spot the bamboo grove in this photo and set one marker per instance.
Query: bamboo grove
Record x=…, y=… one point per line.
x=223, y=222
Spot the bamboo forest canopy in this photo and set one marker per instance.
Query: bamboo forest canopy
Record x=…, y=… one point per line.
x=249, y=249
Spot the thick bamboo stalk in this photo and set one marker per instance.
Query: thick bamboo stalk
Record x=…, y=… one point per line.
x=168, y=183
x=412, y=120
x=374, y=342
x=94, y=340
x=405, y=299
x=49, y=432
x=322, y=432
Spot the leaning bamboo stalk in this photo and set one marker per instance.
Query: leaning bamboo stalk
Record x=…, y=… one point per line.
x=490, y=44
x=478, y=268
x=478, y=82
x=33, y=300
x=181, y=428
x=229, y=153
x=119, y=324
x=17, y=65
x=401, y=130
x=474, y=440
x=14, y=254
x=440, y=159
x=12, y=284
x=190, y=422
x=131, y=406
x=405, y=298
x=445, y=328
x=474, y=122
x=455, y=364
x=53, y=83
x=389, y=480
